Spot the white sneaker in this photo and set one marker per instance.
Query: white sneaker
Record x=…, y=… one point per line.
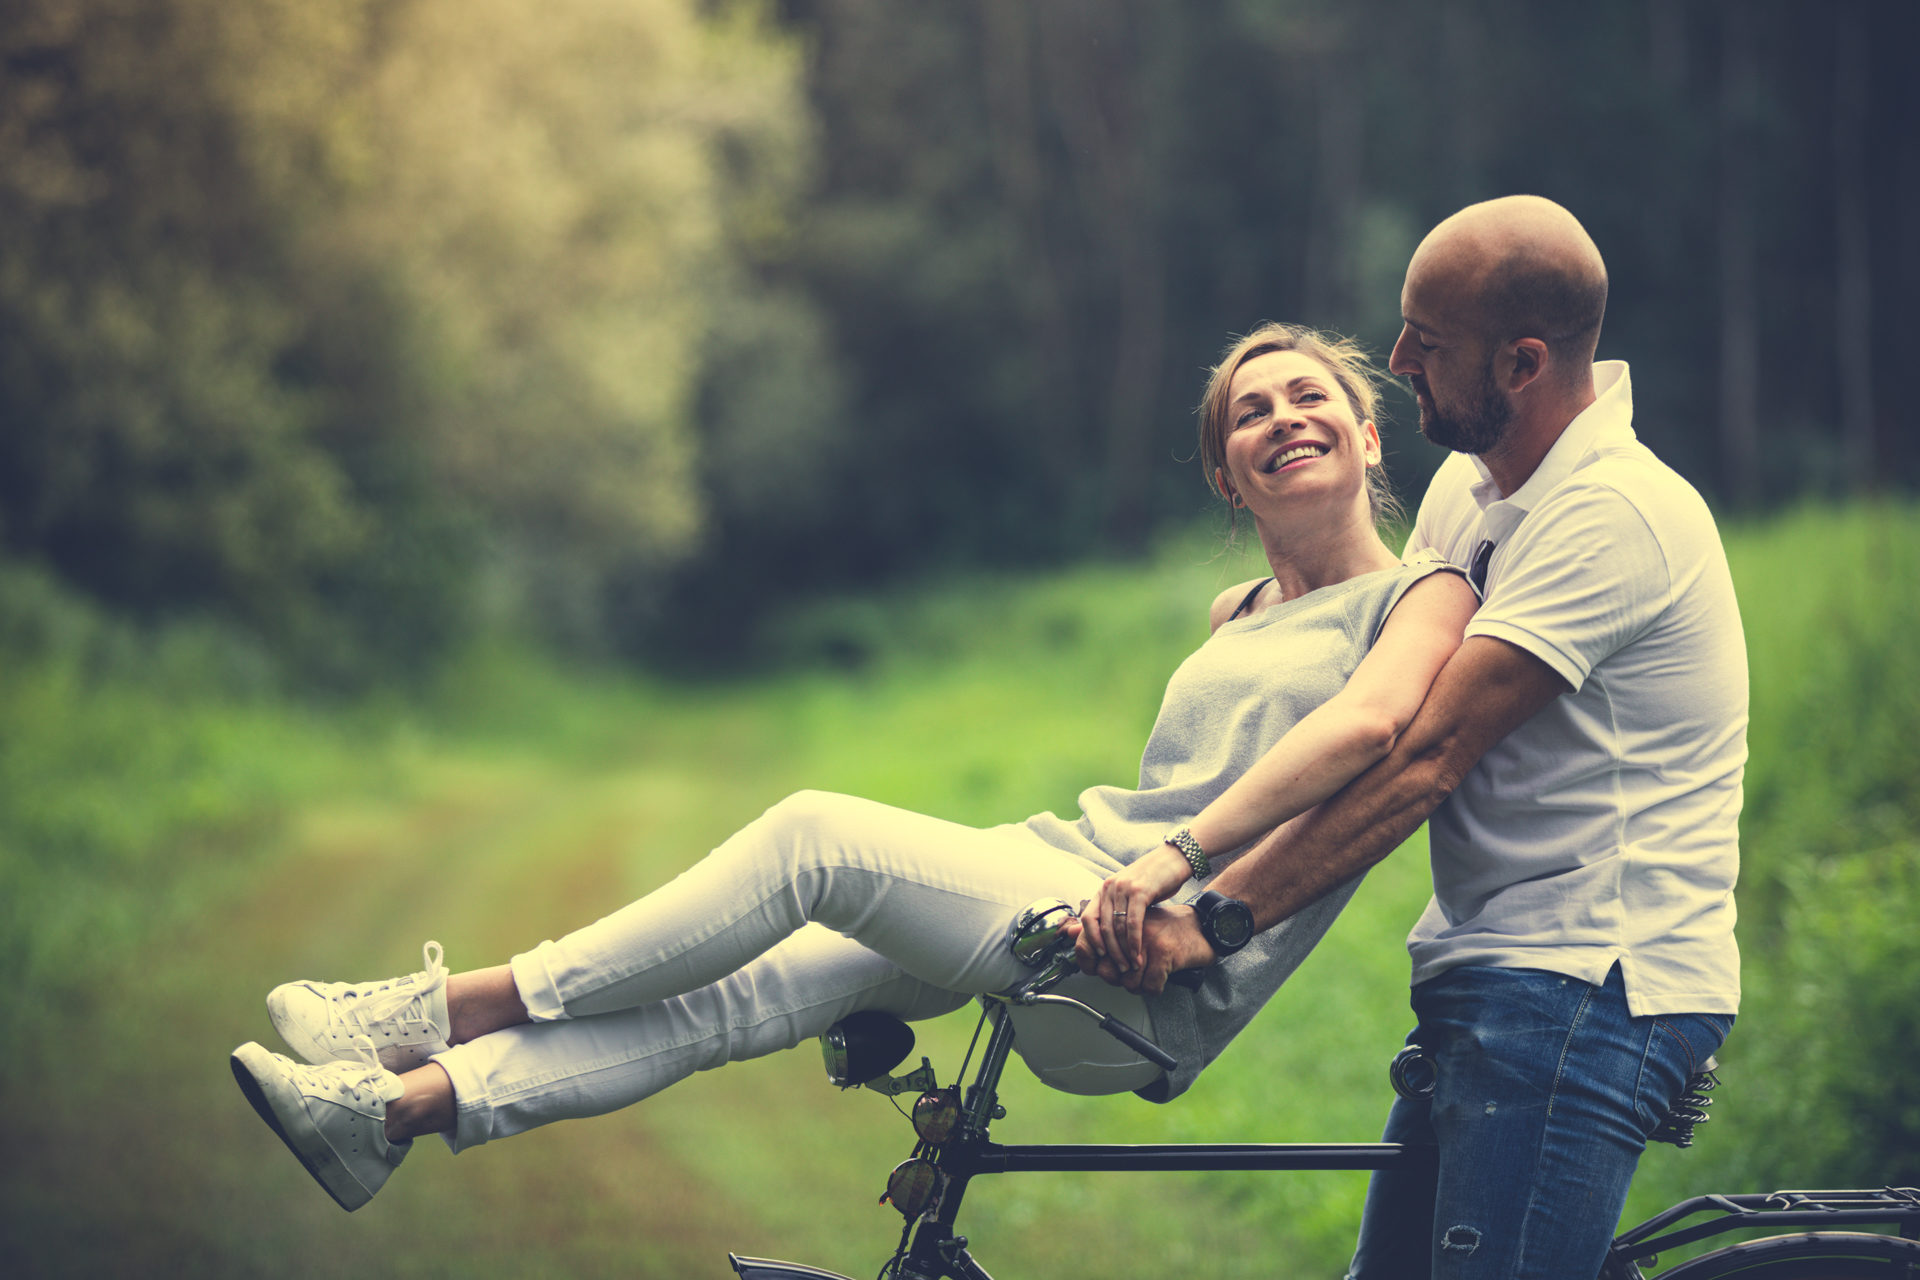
x=332, y=1117
x=406, y=1018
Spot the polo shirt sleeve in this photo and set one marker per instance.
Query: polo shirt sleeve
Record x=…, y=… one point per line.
x=1581, y=577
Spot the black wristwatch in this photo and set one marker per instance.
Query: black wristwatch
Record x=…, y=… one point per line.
x=1226, y=923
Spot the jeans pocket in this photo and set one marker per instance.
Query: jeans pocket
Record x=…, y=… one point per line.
x=1694, y=1036
x=1677, y=1049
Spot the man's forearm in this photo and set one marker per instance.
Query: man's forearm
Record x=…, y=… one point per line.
x=1323, y=848
x=1487, y=689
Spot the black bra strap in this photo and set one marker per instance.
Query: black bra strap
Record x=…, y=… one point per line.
x=1258, y=587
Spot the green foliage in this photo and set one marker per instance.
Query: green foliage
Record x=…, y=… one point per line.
x=364, y=324
x=150, y=779
x=1035, y=225
x=1821, y=1068
x=371, y=325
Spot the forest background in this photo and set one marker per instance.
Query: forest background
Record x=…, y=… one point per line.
x=428, y=430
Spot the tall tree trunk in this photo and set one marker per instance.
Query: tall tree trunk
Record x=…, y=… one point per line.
x=1465, y=133
x=1094, y=77
x=1902, y=122
x=1341, y=111
x=1739, y=324
x=1032, y=264
x=1853, y=293
x=1667, y=47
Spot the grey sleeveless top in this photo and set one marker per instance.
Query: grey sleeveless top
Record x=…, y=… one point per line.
x=1231, y=700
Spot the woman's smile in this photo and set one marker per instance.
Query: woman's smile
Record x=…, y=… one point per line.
x=1294, y=454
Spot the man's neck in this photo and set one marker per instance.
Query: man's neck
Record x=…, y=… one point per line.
x=1531, y=436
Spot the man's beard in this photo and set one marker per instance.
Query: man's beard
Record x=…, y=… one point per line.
x=1476, y=427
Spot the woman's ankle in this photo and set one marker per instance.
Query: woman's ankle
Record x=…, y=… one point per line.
x=427, y=1105
x=482, y=1001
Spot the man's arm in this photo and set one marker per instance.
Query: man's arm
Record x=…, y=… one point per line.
x=1487, y=689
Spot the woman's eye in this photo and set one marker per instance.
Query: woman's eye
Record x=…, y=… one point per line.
x=1247, y=417
x=1312, y=395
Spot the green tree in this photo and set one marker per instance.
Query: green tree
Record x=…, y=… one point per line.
x=343, y=317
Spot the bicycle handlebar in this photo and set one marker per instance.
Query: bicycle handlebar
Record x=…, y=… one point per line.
x=1108, y=1023
x=1146, y=1048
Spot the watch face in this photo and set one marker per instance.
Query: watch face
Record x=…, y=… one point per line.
x=1232, y=923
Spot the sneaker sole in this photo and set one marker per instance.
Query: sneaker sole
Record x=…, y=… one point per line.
x=253, y=1071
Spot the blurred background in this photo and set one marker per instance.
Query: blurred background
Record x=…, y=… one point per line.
x=460, y=458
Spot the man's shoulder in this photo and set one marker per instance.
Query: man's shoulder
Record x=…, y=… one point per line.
x=1631, y=482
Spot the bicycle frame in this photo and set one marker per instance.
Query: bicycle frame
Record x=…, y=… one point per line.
x=933, y=1251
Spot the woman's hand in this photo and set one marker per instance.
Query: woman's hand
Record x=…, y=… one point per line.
x=1173, y=942
x=1113, y=924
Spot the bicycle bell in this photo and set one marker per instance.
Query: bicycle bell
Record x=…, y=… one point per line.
x=1039, y=931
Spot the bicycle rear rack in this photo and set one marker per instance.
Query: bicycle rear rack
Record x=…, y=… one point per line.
x=1898, y=1207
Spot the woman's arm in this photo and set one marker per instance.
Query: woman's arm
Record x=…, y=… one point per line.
x=1323, y=752
x=1339, y=740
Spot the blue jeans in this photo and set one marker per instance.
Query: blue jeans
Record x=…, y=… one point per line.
x=1546, y=1091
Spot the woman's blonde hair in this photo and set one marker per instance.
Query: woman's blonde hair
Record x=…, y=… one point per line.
x=1352, y=369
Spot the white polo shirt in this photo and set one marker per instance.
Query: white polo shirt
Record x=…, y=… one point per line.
x=1605, y=828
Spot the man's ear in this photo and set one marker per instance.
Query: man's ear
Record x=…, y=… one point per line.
x=1529, y=356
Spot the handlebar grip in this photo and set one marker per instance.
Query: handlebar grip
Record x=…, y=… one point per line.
x=1191, y=979
x=1146, y=1048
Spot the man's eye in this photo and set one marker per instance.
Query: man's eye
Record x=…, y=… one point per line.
x=1426, y=346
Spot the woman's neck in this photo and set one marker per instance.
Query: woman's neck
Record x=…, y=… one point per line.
x=1306, y=560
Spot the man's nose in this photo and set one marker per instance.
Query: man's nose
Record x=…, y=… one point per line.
x=1401, y=360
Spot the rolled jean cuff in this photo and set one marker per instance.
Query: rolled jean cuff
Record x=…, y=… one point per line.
x=533, y=978
x=473, y=1109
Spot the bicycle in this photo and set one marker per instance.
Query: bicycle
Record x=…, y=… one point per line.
x=954, y=1146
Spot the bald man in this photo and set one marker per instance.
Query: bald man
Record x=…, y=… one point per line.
x=1580, y=757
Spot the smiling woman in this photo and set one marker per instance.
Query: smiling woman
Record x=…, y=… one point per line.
x=1338, y=365
x=828, y=905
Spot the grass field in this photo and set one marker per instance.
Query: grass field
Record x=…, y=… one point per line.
x=172, y=843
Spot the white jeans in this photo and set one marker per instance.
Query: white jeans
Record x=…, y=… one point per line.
x=823, y=906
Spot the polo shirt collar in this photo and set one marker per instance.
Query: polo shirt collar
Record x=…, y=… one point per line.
x=1607, y=421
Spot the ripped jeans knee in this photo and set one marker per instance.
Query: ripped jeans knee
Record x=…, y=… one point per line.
x=1459, y=1242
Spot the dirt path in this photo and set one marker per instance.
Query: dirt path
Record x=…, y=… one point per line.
x=134, y=1155
x=128, y=1151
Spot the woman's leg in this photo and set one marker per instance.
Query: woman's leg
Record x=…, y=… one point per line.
x=521, y=1077
x=933, y=897
x=730, y=961
x=719, y=965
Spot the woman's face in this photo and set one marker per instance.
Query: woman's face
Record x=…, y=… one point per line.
x=1292, y=438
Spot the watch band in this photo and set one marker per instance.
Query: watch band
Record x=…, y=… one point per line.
x=1182, y=839
x=1210, y=907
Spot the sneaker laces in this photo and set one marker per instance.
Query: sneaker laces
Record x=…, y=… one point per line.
x=404, y=999
x=367, y=1073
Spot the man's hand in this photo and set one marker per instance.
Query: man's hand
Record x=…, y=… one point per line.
x=1114, y=920
x=1172, y=941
